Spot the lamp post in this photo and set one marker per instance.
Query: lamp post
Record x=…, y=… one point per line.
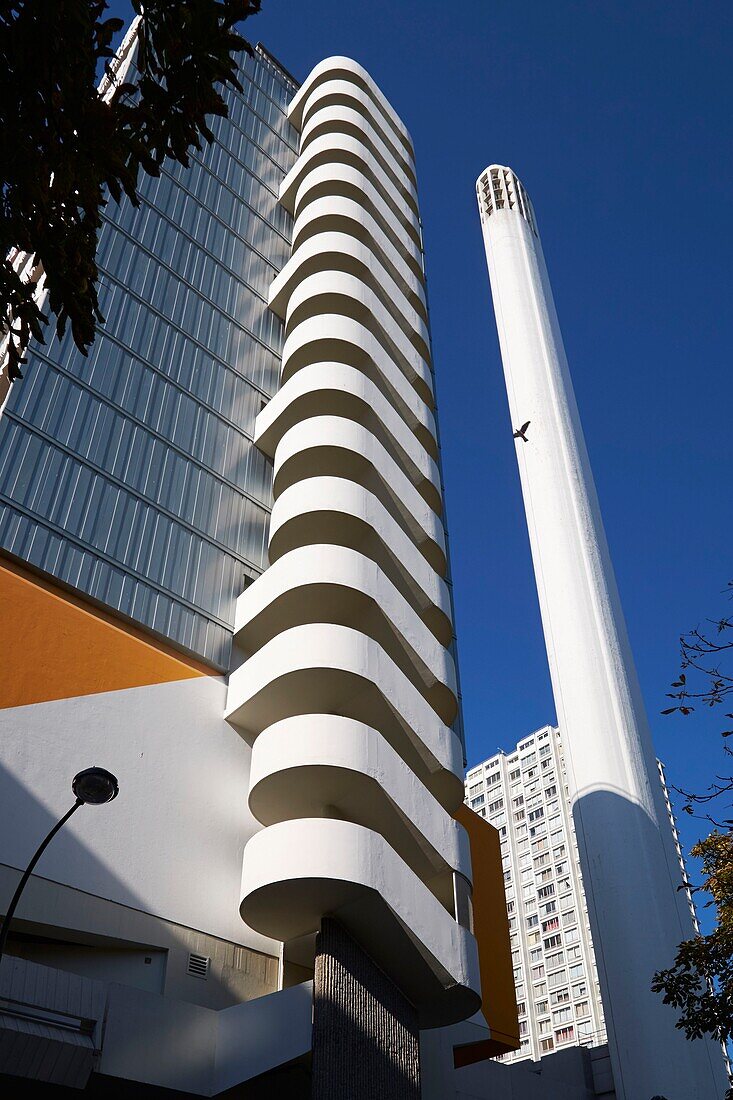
x=93, y=787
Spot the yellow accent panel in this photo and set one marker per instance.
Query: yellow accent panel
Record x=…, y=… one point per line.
x=57, y=646
x=491, y=929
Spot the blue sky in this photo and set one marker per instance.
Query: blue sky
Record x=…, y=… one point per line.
x=617, y=119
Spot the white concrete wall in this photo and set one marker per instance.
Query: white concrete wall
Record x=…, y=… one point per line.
x=171, y=844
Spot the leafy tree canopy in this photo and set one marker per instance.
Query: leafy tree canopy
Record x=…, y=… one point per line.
x=65, y=147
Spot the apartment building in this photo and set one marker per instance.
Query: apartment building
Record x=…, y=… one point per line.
x=524, y=795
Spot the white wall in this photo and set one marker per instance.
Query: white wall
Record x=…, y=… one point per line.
x=171, y=844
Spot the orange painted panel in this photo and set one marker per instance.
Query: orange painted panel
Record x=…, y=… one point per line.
x=491, y=929
x=56, y=646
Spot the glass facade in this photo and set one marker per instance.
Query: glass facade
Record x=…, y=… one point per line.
x=131, y=475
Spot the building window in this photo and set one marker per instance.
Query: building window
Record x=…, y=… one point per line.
x=560, y=996
x=576, y=971
x=562, y=1015
x=553, y=941
x=546, y=1045
x=565, y=1034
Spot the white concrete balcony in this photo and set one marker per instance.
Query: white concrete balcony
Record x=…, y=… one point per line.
x=333, y=251
x=335, y=179
x=344, y=68
x=346, y=689
x=404, y=337
x=342, y=214
x=335, y=389
x=335, y=336
x=324, y=765
x=333, y=509
x=297, y=870
x=335, y=584
x=347, y=93
x=357, y=153
x=340, y=119
x=324, y=446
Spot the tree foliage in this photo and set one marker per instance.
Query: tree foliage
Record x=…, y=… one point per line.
x=65, y=147
x=700, y=983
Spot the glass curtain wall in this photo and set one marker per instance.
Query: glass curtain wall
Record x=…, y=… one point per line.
x=131, y=475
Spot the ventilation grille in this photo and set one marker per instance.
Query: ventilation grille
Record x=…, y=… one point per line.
x=499, y=189
x=198, y=965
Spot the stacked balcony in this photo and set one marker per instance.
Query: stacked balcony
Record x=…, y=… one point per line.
x=347, y=688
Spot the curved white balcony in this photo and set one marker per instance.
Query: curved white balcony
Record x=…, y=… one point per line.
x=346, y=93
x=337, y=179
x=296, y=871
x=334, y=389
x=346, y=688
x=297, y=772
x=340, y=214
x=344, y=68
x=335, y=584
x=339, y=120
x=329, y=292
x=334, y=336
x=353, y=151
x=336, y=252
x=320, y=667
x=332, y=446
x=333, y=509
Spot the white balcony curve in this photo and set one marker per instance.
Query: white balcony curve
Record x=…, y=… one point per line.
x=336, y=389
x=347, y=93
x=333, y=509
x=334, y=180
x=335, y=584
x=344, y=68
x=328, y=292
x=296, y=871
x=334, y=336
x=340, y=120
x=332, y=446
x=296, y=766
x=334, y=251
x=345, y=149
x=346, y=687
x=336, y=669
x=339, y=214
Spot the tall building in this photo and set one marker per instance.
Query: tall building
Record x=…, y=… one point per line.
x=281, y=896
x=627, y=851
x=524, y=794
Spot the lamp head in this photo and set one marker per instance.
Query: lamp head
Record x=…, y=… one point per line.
x=95, y=786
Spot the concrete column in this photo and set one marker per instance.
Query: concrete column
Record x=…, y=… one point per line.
x=629, y=864
x=365, y=1032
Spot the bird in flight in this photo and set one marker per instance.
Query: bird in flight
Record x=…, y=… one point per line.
x=521, y=433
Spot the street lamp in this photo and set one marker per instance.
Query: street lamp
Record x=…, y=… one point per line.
x=93, y=787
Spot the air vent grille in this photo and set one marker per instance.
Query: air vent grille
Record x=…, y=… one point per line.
x=198, y=965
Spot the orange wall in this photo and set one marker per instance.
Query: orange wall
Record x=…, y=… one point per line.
x=56, y=646
x=491, y=928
